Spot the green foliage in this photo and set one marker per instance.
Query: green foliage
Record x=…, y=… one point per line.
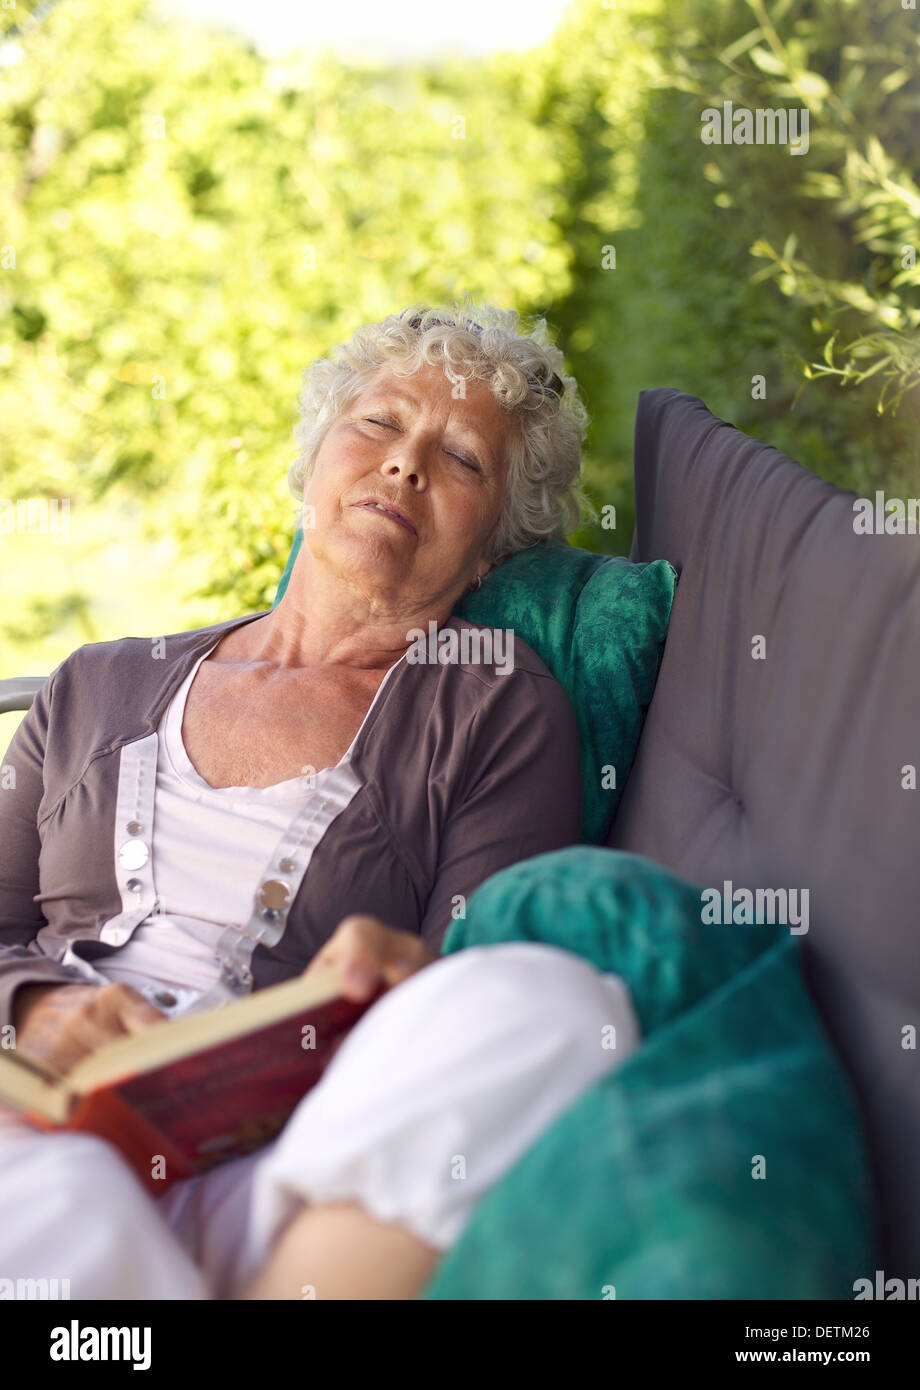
x=846, y=214
x=192, y=225
x=690, y=303
x=185, y=225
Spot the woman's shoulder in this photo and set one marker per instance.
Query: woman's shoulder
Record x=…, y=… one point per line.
x=101, y=682
x=97, y=656
x=475, y=669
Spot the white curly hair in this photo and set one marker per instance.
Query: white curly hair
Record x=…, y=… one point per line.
x=544, y=498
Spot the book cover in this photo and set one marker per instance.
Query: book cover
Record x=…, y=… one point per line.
x=220, y=1101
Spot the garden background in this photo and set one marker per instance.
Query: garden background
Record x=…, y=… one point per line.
x=185, y=223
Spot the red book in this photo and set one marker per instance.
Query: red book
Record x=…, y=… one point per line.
x=197, y=1090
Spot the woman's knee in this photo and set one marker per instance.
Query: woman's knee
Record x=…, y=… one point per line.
x=520, y=990
x=483, y=1012
x=443, y=1084
x=551, y=1026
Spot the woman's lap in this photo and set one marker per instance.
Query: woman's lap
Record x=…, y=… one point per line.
x=440, y=1088
x=437, y=1091
x=75, y=1219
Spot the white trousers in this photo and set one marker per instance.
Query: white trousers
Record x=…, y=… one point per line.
x=433, y=1096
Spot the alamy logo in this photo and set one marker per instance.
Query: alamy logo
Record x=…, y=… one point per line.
x=473, y=646
x=892, y=516
x=76, y=1343
x=34, y=1288
x=761, y=127
x=747, y=907
x=885, y=1288
x=36, y=516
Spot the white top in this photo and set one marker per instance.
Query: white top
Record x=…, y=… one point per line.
x=210, y=847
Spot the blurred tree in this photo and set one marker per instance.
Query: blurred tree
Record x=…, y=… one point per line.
x=188, y=226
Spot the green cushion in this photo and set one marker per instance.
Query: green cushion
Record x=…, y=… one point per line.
x=645, y=1185
x=599, y=624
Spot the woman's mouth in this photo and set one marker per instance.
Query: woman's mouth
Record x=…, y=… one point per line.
x=373, y=504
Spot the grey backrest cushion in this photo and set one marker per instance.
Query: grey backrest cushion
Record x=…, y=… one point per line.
x=787, y=772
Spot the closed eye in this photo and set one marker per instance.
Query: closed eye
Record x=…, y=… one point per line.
x=461, y=458
x=468, y=463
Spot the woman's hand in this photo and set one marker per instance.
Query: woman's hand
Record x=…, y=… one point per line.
x=60, y=1024
x=370, y=953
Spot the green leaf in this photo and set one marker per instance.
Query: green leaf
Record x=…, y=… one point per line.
x=811, y=84
x=894, y=80
x=734, y=50
x=767, y=61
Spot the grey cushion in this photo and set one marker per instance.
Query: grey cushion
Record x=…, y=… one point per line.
x=787, y=772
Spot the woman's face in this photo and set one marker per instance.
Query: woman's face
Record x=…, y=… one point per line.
x=441, y=462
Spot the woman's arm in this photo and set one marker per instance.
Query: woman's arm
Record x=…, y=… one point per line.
x=522, y=795
x=56, y=1017
x=21, y=919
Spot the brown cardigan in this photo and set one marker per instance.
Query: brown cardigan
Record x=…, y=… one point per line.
x=463, y=770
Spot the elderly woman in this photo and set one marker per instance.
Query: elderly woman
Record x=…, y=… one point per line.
x=201, y=815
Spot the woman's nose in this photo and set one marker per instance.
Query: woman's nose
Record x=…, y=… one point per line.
x=408, y=462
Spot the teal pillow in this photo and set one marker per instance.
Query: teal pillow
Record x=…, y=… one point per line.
x=599, y=624
x=723, y=1160
x=610, y=906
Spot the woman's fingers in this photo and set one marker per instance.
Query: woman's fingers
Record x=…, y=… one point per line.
x=362, y=953
x=112, y=1012
x=368, y=953
x=67, y=1022
x=408, y=955
x=126, y=1010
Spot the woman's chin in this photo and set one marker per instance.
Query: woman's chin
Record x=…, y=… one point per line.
x=372, y=563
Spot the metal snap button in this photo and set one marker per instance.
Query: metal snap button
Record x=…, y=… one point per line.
x=134, y=885
x=134, y=827
x=287, y=866
x=275, y=894
x=164, y=998
x=133, y=854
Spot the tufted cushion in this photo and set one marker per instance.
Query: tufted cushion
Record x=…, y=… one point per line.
x=598, y=623
x=787, y=771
